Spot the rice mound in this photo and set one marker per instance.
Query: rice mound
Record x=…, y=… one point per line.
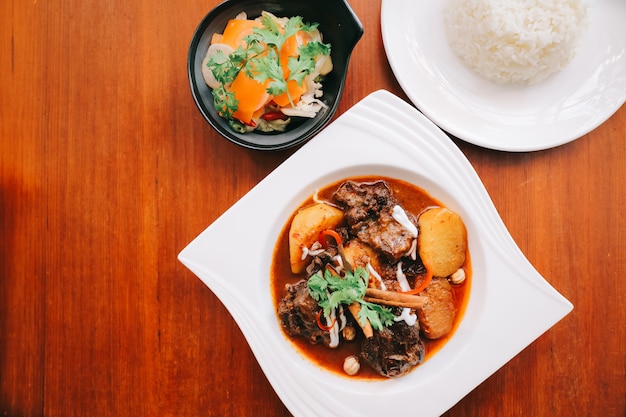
x=515, y=41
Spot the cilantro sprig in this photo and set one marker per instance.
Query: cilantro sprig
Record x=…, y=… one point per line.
x=259, y=57
x=225, y=69
x=330, y=290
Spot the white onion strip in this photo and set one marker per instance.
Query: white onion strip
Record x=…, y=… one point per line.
x=404, y=284
x=372, y=271
x=400, y=216
x=406, y=315
x=334, y=330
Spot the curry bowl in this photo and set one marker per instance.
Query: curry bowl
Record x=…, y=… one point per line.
x=509, y=306
x=339, y=26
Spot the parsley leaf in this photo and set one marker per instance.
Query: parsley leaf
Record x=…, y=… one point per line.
x=225, y=68
x=271, y=34
x=259, y=58
x=378, y=316
x=317, y=286
x=267, y=67
x=304, y=64
x=330, y=290
x=225, y=102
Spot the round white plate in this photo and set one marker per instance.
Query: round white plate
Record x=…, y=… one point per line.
x=562, y=108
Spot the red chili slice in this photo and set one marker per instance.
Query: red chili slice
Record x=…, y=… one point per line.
x=274, y=115
x=331, y=233
x=323, y=326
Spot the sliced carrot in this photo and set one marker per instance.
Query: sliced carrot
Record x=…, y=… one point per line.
x=295, y=92
x=216, y=38
x=259, y=112
x=236, y=30
x=425, y=282
x=290, y=49
x=251, y=94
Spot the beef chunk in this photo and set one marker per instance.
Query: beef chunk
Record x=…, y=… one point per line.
x=297, y=312
x=386, y=234
x=437, y=316
x=410, y=268
x=368, y=213
x=394, y=350
x=364, y=200
x=320, y=260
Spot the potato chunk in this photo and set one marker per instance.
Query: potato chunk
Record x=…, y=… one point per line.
x=437, y=317
x=442, y=241
x=359, y=255
x=305, y=229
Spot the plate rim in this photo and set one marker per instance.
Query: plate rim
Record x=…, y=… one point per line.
x=487, y=135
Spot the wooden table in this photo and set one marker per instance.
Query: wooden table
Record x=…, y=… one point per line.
x=107, y=170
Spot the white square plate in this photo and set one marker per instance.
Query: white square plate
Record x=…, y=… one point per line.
x=510, y=303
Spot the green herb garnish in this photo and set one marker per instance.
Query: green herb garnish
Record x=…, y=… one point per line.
x=330, y=291
x=260, y=59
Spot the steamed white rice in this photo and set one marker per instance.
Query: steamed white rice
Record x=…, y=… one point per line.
x=515, y=41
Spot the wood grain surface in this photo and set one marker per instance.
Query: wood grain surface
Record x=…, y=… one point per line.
x=107, y=170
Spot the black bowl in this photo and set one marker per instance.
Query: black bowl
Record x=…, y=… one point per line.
x=339, y=26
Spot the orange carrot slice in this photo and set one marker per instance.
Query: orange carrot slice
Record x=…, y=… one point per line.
x=290, y=49
x=216, y=38
x=236, y=30
x=425, y=282
x=251, y=94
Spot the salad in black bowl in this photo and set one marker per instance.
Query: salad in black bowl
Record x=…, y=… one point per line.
x=269, y=75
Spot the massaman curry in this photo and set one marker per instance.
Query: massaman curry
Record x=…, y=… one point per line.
x=370, y=276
